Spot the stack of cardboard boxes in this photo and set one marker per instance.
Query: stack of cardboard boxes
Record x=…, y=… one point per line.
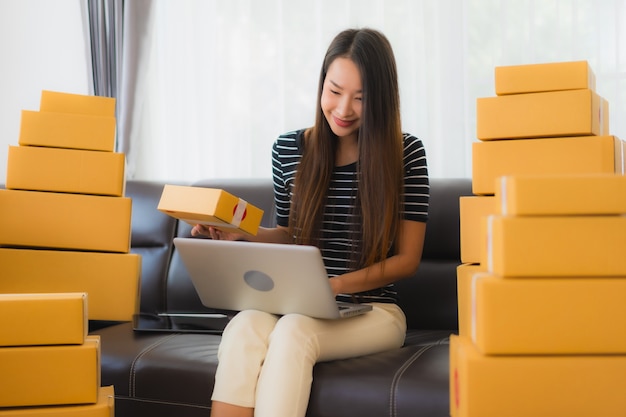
x=48, y=364
x=64, y=220
x=64, y=229
x=542, y=318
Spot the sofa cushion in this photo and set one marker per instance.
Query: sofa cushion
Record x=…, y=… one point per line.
x=410, y=381
x=178, y=370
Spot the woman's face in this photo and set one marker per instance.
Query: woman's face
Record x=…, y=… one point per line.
x=341, y=98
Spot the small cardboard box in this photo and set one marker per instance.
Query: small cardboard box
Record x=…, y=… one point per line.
x=58, y=102
x=65, y=170
x=105, y=407
x=548, y=156
x=27, y=318
x=548, y=315
x=596, y=194
x=534, y=385
x=50, y=375
x=111, y=280
x=64, y=221
x=67, y=130
x=210, y=206
x=555, y=246
x=551, y=114
x=553, y=76
x=472, y=209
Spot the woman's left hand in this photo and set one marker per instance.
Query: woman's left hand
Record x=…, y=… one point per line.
x=215, y=233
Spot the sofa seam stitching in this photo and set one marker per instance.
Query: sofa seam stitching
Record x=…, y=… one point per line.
x=154, y=345
x=148, y=400
x=396, y=379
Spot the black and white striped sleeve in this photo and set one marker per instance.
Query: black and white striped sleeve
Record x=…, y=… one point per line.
x=416, y=185
x=286, y=156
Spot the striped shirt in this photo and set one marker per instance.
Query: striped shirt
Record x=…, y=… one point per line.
x=337, y=237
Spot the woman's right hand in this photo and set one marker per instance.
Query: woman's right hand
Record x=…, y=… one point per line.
x=215, y=233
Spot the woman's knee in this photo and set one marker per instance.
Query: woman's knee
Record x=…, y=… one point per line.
x=295, y=331
x=250, y=322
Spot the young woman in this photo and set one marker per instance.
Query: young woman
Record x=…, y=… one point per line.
x=357, y=187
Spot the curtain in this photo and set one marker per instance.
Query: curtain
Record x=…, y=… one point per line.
x=105, y=35
x=221, y=79
x=117, y=31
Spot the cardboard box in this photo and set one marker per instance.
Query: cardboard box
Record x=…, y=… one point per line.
x=50, y=375
x=64, y=221
x=111, y=280
x=548, y=315
x=561, y=195
x=534, y=385
x=65, y=170
x=43, y=319
x=472, y=209
x=67, y=130
x=58, y=102
x=550, y=156
x=553, y=76
x=210, y=206
x=464, y=277
x=105, y=407
x=551, y=114
x=555, y=246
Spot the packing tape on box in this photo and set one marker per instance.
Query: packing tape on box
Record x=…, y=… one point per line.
x=623, y=156
x=602, y=115
x=475, y=278
x=502, y=197
x=240, y=212
x=489, y=243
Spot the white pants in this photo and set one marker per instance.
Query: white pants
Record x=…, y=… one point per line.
x=266, y=361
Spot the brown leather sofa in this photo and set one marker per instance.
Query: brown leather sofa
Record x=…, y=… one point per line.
x=172, y=374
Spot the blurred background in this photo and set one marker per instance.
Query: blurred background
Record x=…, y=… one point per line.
x=205, y=86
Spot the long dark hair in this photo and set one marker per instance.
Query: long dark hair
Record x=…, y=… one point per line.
x=379, y=167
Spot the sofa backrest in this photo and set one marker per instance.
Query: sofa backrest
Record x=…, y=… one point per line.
x=151, y=237
x=429, y=298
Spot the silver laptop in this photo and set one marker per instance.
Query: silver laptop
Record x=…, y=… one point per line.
x=274, y=278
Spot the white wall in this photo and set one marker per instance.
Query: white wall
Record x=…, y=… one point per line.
x=42, y=47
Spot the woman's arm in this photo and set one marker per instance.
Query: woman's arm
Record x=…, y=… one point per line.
x=400, y=265
x=277, y=234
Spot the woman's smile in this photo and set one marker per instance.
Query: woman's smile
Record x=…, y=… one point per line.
x=343, y=123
